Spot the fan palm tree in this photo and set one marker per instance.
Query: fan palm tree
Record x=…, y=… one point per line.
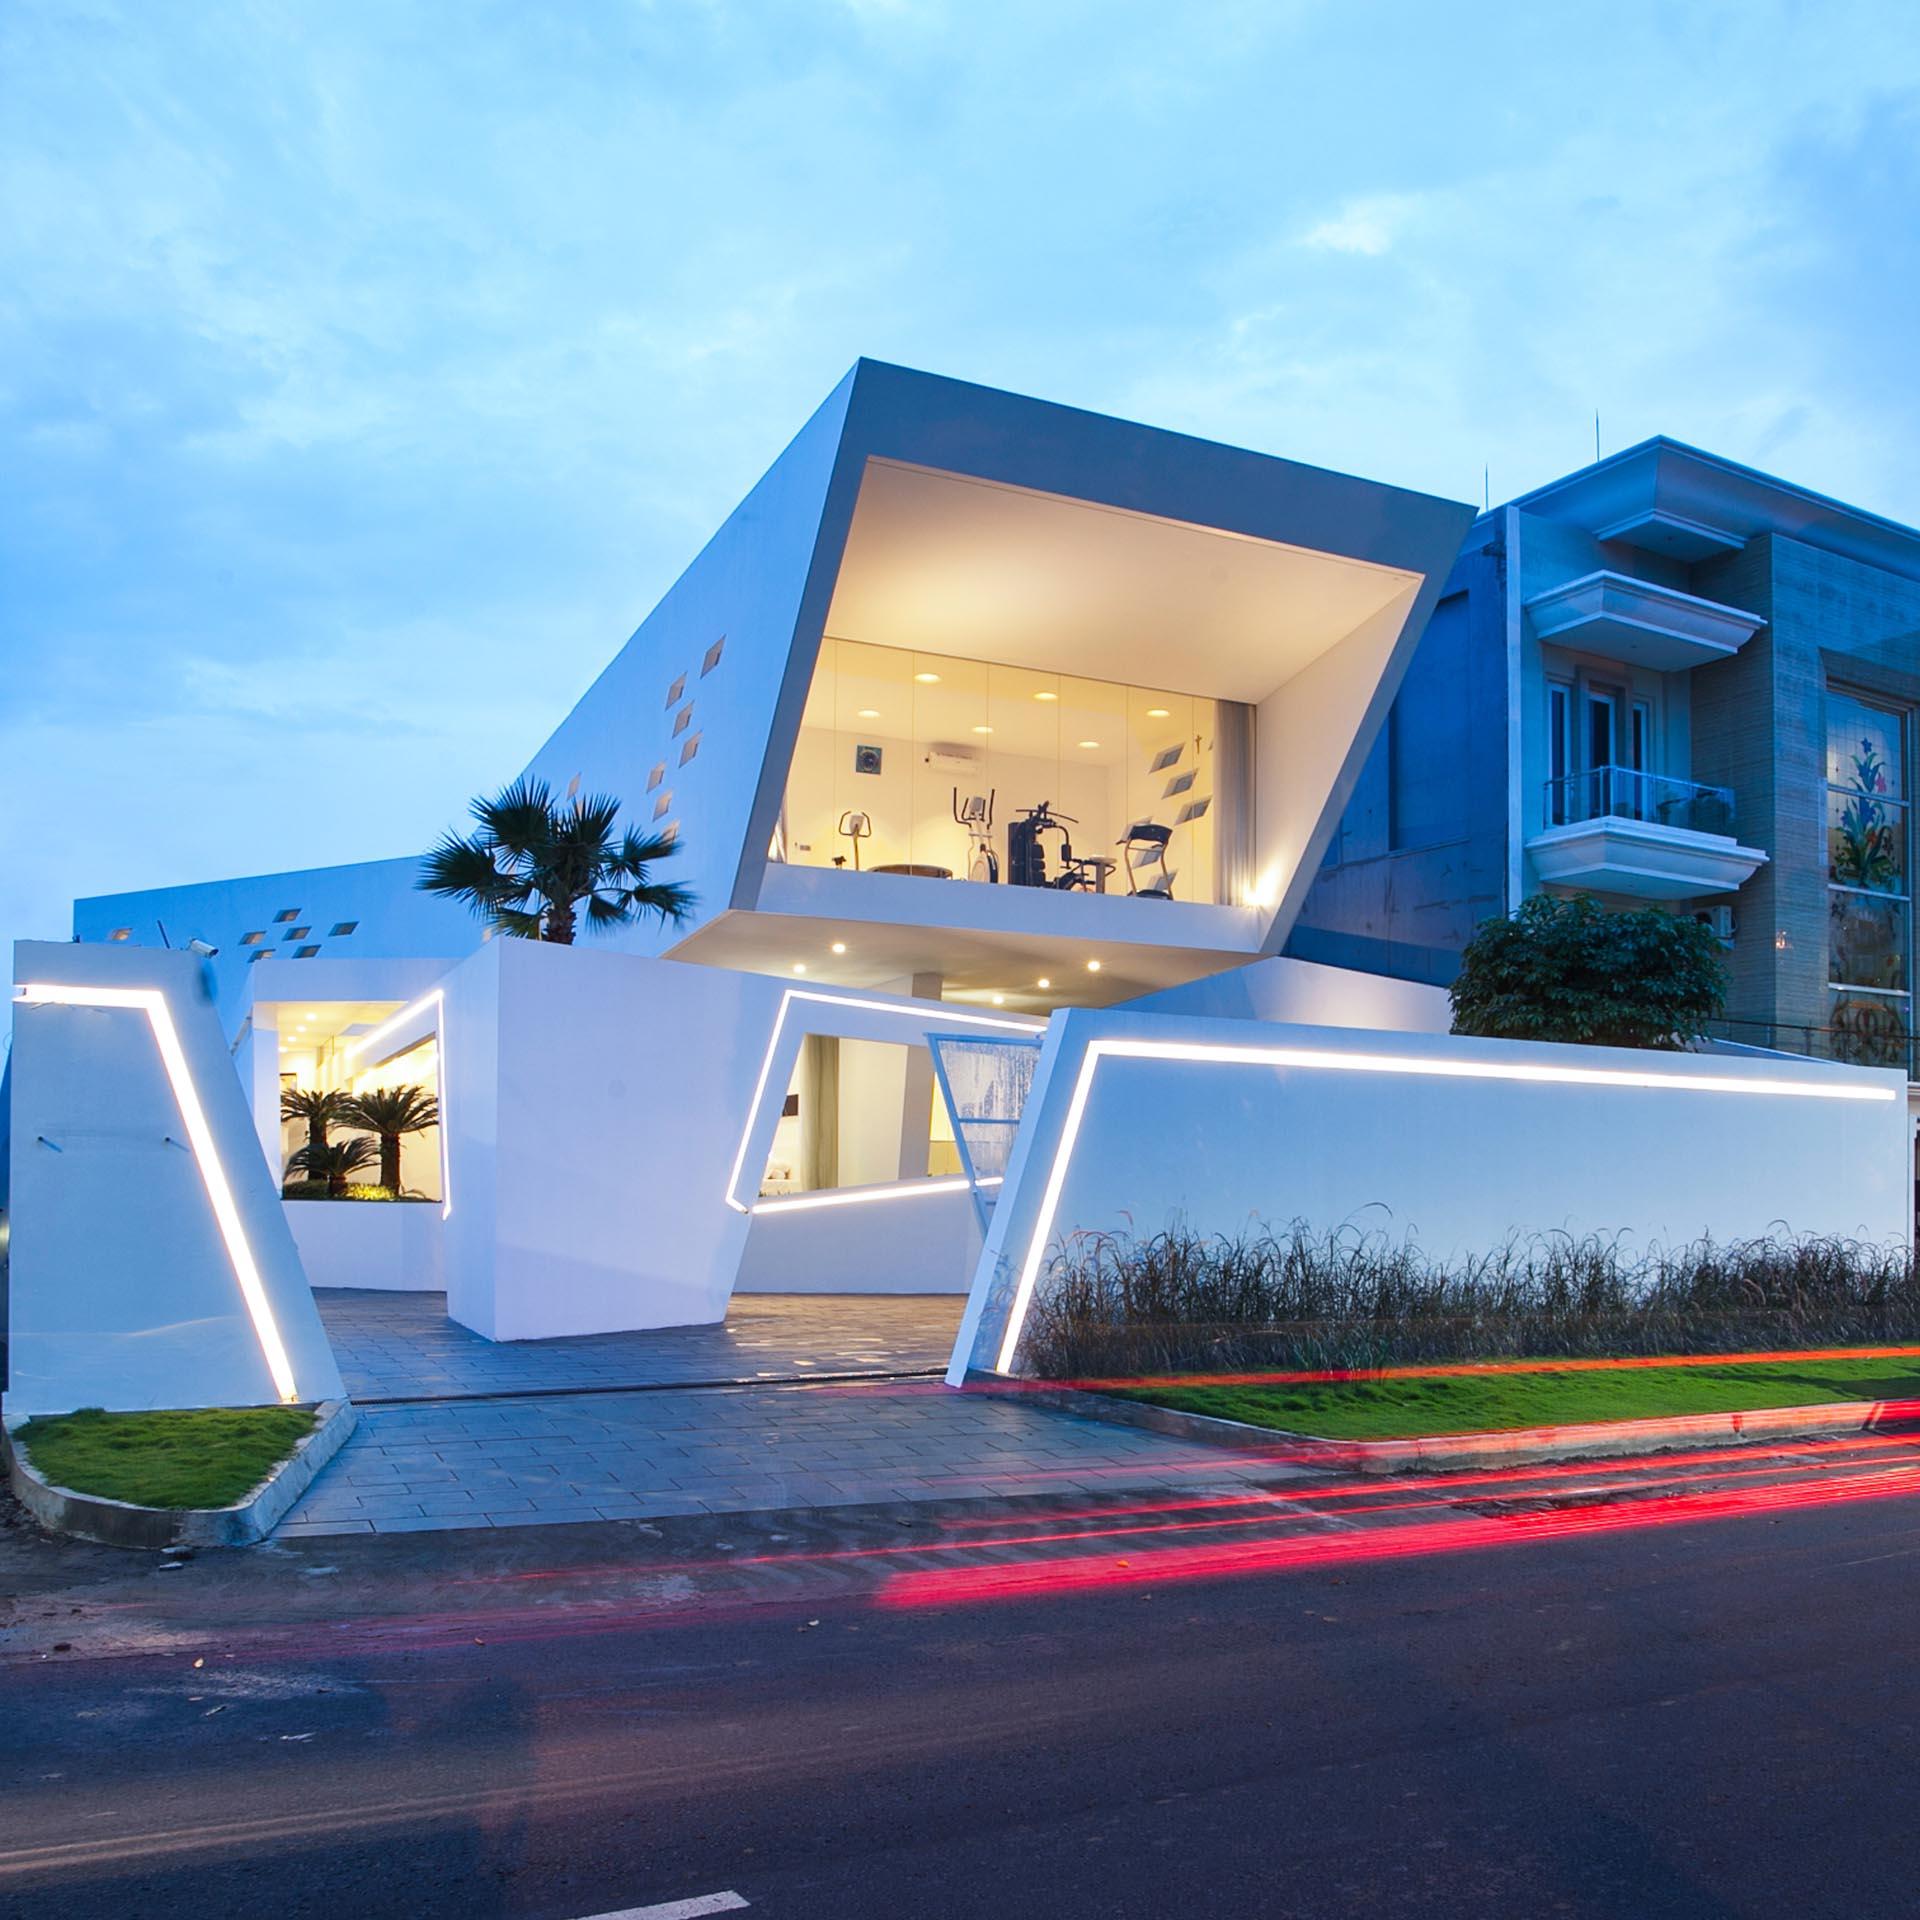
x=319, y=1110
x=389, y=1113
x=335, y=1162
x=537, y=861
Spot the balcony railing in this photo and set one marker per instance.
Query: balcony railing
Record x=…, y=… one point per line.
x=1622, y=794
x=1884, y=1045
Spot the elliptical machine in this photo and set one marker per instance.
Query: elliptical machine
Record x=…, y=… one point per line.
x=975, y=814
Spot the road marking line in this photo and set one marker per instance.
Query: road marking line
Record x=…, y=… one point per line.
x=1899, y=1553
x=705, y=1903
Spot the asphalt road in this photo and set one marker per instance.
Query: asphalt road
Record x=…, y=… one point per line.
x=1684, y=1689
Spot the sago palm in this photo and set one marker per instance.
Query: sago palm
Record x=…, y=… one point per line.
x=389, y=1114
x=319, y=1110
x=336, y=1162
x=536, y=862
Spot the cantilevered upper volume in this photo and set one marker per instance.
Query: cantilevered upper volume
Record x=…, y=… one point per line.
x=971, y=691
x=981, y=688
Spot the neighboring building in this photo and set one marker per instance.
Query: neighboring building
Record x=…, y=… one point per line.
x=1668, y=679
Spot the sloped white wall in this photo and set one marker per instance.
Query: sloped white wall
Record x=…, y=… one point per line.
x=1460, y=1143
x=124, y=1292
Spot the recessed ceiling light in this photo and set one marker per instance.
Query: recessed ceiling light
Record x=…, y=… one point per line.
x=868, y=713
x=839, y=946
x=799, y=966
x=1089, y=743
x=1093, y=966
x=1046, y=696
x=927, y=679
x=1157, y=713
x=1044, y=983
x=999, y=999
x=983, y=729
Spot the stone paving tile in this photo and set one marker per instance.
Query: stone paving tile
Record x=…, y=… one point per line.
x=733, y=1450
x=403, y=1346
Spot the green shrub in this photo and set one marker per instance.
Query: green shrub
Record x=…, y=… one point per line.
x=1570, y=970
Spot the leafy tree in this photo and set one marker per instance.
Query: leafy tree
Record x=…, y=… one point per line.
x=536, y=861
x=389, y=1113
x=336, y=1162
x=1570, y=970
x=319, y=1110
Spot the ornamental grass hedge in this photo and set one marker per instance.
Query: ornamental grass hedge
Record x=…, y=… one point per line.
x=1113, y=1305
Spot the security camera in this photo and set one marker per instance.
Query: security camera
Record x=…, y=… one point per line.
x=202, y=949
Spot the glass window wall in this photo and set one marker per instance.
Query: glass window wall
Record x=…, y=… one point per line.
x=912, y=763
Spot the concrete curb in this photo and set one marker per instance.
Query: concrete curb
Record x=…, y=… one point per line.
x=116, y=1523
x=1443, y=1451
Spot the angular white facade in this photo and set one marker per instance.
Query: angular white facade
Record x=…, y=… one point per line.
x=976, y=712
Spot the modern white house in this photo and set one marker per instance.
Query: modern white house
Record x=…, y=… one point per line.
x=998, y=740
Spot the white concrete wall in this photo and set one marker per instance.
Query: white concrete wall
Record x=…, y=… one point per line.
x=125, y=1292
x=1305, y=993
x=597, y=1106
x=873, y=1088
x=1459, y=1143
x=920, y=1243
x=594, y=1103
x=395, y=1246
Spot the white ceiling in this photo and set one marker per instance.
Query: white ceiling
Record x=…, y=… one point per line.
x=311, y=1022
x=981, y=571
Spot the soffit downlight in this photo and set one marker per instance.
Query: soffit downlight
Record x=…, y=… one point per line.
x=947, y=564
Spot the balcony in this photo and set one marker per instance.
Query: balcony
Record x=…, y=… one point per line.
x=1634, y=621
x=1612, y=830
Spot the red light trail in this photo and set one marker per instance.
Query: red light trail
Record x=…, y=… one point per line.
x=1081, y=1573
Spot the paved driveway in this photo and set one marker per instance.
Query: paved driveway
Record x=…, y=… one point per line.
x=402, y=1346
x=631, y=1456
x=639, y=1443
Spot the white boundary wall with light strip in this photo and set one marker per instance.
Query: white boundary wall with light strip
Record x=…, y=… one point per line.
x=606, y=1119
x=1138, y=1120
x=150, y=1262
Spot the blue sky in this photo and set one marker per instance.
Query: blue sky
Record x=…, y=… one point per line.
x=368, y=370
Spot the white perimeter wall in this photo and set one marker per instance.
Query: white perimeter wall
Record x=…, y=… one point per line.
x=1416, y=1134
x=597, y=1104
x=1308, y=994
x=594, y=1102
x=394, y=1246
x=124, y=1291
x=927, y=1242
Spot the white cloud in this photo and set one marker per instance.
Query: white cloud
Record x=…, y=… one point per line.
x=1367, y=226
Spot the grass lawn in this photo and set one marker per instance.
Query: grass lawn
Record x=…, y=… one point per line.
x=1489, y=1403
x=200, y=1457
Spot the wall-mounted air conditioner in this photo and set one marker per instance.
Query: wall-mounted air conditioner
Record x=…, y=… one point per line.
x=953, y=756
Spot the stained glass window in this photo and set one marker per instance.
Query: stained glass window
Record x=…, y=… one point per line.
x=1869, y=882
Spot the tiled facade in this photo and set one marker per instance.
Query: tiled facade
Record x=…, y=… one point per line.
x=1837, y=593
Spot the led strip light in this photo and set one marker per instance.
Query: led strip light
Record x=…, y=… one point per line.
x=925, y=1018
x=849, y=1196
x=153, y=1004
x=438, y=1000
x=1434, y=1068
